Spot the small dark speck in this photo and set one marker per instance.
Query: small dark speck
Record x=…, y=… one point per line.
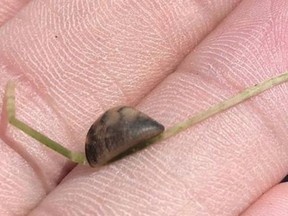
x=56, y=36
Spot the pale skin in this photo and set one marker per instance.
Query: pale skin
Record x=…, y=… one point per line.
x=221, y=166
x=79, y=158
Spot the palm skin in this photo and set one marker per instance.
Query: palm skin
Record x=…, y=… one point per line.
x=74, y=60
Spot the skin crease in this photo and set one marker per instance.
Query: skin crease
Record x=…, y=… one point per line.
x=81, y=58
x=82, y=88
x=273, y=203
x=8, y=9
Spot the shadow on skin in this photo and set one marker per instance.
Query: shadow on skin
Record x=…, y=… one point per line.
x=285, y=179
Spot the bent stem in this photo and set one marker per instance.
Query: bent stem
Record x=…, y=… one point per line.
x=11, y=112
x=201, y=116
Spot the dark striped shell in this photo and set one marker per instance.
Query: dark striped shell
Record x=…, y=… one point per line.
x=116, y=131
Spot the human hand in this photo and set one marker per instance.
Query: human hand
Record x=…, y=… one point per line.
x=73, y=60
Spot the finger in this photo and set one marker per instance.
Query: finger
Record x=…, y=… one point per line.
x=218, y=167
x=20, y=187
x=8, y=9
x=80, y=59
x=273, y=203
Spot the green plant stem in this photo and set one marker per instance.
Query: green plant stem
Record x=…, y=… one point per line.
x=10, y=104
x=201, y=116
x=220, y=107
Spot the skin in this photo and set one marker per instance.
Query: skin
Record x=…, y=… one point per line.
x=9, y=9
x=220, y=167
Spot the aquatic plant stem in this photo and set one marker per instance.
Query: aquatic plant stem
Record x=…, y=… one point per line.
x=11, y=112
x=172, y=131
x=220, y=107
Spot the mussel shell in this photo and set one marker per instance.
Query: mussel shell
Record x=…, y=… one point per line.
x=116, y=131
